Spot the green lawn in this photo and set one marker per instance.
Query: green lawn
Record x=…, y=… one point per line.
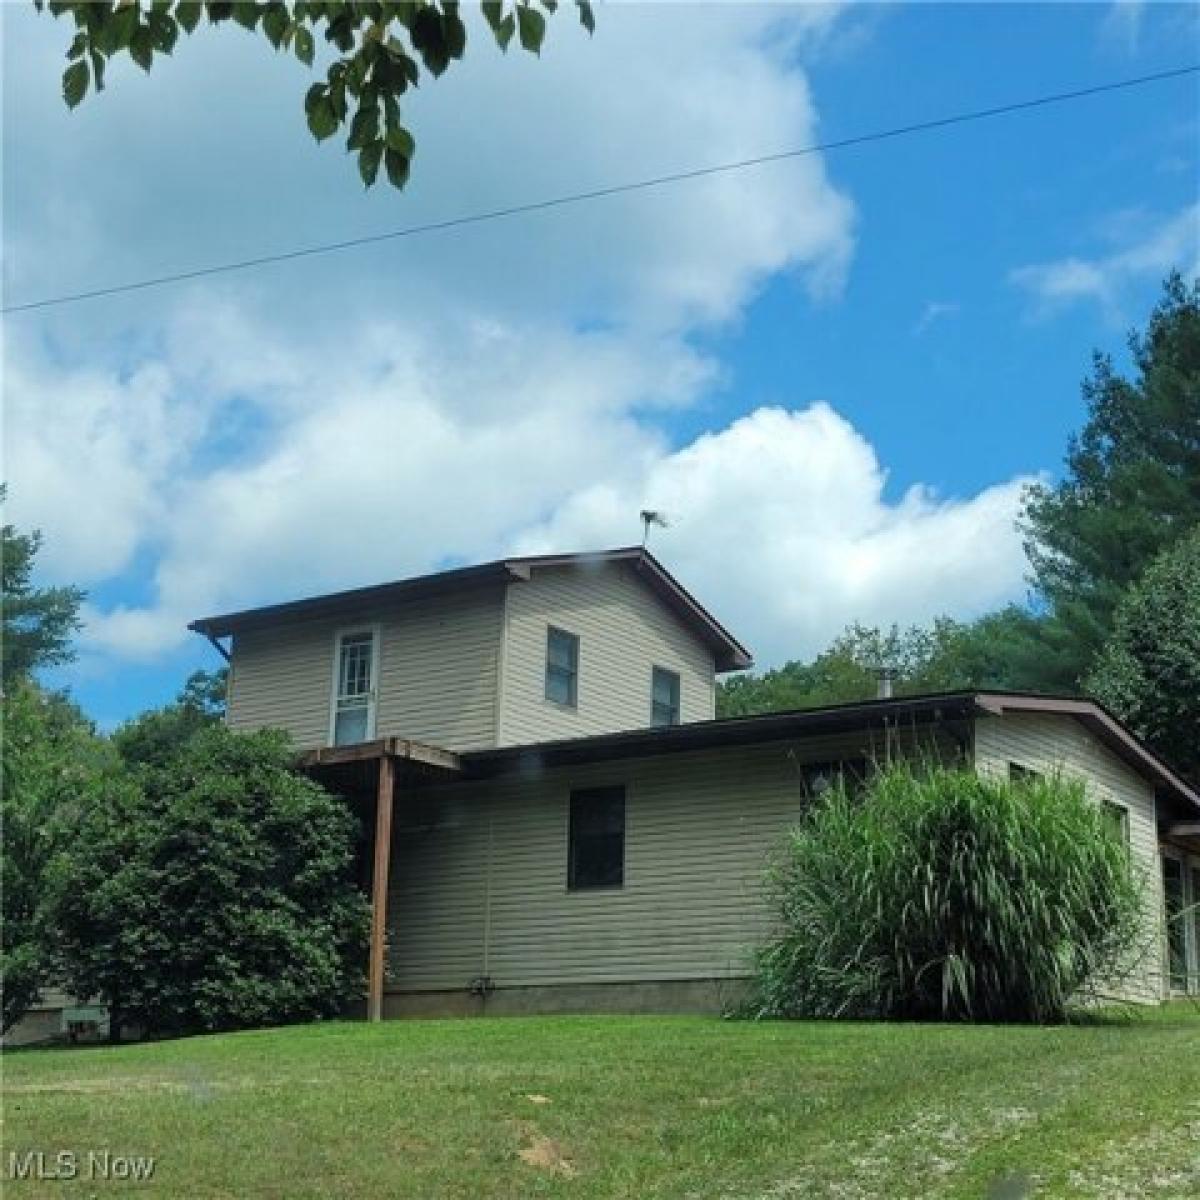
x=636, y=1107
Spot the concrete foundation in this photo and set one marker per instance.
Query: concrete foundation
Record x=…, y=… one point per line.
x=704, y=996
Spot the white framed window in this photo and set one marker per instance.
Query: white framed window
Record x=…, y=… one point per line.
x=355, y=671
x=664, y=697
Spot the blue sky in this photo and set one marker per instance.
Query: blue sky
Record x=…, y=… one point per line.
x=836, y=374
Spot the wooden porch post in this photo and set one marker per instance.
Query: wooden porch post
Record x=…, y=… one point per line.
x=379, y=885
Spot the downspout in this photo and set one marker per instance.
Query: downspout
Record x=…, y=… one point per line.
x=487, y=914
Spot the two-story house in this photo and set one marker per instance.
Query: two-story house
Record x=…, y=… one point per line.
x=559, y=820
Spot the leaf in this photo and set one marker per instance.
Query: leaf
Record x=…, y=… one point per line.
x=400, y=140
x=188, y=14
x=397, y=168
x=97, y=68
x=164, y=32
x=303, y=45
x=318, y=108
x=368, y=162
x=117, y=30
x=275, y=22
x=429, y=39
x=532, y=27
x=246, y=13
x=504, y=31
x=141, y=48
x=493, y=11
x=74, y=83
x=364, y=129
x=456, y=35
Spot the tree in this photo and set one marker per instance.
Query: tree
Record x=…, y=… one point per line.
x=379, y=49
x=1149, y=672
x=38, y=623
x=213, y=891
x=943, y=895
x=1132, y=486
x=52, y=761
x=154, y=738
x=1005, y=649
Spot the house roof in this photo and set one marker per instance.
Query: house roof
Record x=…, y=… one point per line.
x=907, y=711
x=729, y=653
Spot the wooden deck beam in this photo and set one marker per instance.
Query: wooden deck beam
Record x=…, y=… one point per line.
x=377, y=965
x=381, y=748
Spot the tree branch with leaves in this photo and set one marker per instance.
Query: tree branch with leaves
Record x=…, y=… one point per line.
x=378, y=52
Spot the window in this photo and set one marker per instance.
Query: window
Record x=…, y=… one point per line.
x=596, y=838
x=562, y=667
x=1175, y=895
x=817, y=778
x=354, y=688
x=664, y=697
x=1020, y=774
x=1117, y=816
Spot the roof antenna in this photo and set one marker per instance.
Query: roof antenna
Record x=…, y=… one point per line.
x=650, y=517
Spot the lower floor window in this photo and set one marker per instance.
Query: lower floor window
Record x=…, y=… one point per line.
x=1181, y=888
x=819, y=777
x=596, y=838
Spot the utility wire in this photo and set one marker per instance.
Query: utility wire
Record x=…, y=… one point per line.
x=514, y=210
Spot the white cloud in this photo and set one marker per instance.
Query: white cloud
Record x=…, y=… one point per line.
x=1122, y=24
x=1150, y=248
x=459, y=444
x=934, y=310
x=780, y=523
x=370, y=415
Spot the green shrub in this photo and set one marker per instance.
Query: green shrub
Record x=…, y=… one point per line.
x=942, y=895
x=212, y=890
x=52, y=760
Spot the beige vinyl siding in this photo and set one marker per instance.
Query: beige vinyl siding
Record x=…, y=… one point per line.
x=1053, y=744
x=624, y=631
x=437, y=672
x=699, y=829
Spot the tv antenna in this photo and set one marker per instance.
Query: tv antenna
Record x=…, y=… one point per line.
x=651, y=517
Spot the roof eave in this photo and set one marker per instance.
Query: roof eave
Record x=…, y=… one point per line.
x=1095, y=717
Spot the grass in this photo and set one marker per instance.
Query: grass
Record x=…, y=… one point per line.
x=635, y=1107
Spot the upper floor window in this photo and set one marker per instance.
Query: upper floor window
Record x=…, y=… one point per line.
x=562, y=667
x=354, y=688
x=664, y=697
x=596, y=838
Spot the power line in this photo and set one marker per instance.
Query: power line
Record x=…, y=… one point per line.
x=514, y=210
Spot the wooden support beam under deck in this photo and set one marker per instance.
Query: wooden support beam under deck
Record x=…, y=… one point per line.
x=418, y=753
x=377, y=966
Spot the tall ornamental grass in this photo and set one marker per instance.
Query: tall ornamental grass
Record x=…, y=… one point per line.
x=941, y=895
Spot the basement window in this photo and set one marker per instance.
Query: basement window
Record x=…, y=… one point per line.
x=596, y=839
x=664, y=697
x=562, y=667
